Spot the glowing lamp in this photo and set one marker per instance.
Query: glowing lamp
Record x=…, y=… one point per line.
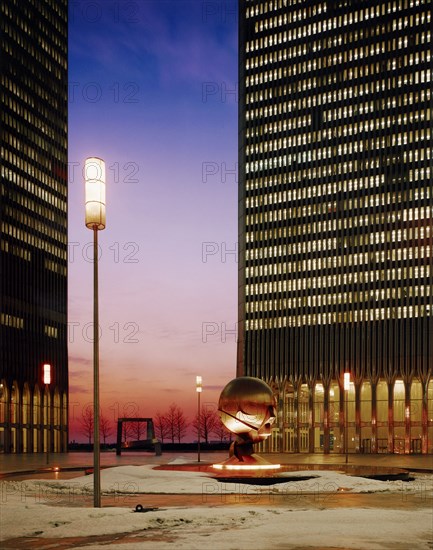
x=346, y=381
x=47, y=373
x=346, y=414
x=199, y=389
x=94, y=177
x=243, y=467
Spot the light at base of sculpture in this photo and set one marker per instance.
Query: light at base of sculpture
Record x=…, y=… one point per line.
x=254, y=462
x=247, y=409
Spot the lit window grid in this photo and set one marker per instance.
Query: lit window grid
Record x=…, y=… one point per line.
x=323, y=190
x=260, y=8
x=338, y=115
x=296, y=15
x=316, y=300
x=314, y=265
x=337, y=317
x=51, y=211
x=23, y=219
x=24, y=254
x=52, y=29
x=30, y=167
x=348, y=147
x=50, y=331
x=341, y=113
x=11, y=321
x=36, y=161
x=33, y=240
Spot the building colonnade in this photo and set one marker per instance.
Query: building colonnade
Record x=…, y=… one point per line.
x=32, y=419
x=383, y=416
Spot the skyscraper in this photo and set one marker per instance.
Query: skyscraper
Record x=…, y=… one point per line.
x=335, y=219
x=33, y=224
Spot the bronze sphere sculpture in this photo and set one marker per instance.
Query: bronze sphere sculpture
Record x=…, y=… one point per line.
x=247, y=408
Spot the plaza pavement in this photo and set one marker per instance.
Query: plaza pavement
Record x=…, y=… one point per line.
x=32, y=463
x=34, y=466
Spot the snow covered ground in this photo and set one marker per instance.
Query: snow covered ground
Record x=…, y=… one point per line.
x=34, y=514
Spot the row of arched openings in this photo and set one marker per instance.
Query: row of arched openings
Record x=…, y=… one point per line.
x=32, y=420
x=380, y=417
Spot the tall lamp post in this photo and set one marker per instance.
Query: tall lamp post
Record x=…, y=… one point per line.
x=199, y=389
x=94, y=174
x=46, y=375
x=346, y=418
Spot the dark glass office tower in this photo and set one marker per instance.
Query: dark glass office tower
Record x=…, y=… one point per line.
x=33, y=222
x=335, y=220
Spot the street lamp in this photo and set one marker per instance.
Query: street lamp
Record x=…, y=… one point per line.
x=199, y=389
x=46, y=376
x=94, y=175
x=346, y=399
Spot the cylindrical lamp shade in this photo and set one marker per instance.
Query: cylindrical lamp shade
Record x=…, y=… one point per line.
x=94, y=176
x=346, y=381
x=47, y=373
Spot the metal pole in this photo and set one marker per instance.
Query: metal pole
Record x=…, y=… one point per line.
x=48, y=421
x=96, y=449
x=347, y=426
x=199, y=427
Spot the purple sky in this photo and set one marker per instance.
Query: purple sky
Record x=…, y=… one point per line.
x=152, y=91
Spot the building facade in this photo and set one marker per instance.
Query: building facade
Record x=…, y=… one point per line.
x=33, y=225
x=335, y=220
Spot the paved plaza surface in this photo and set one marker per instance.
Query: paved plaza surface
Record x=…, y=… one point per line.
x=189, y=520
x=10, y=463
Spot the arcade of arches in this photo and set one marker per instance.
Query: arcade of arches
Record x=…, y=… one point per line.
x=32, y=420
x=382, y=417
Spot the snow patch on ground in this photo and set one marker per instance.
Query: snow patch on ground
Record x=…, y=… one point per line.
x=144, y=479
x=180, y=460
x=242, y=527
x=29, y=509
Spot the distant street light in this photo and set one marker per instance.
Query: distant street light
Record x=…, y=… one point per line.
x=94, y=174
x=46, y=376
x=199, y=389
x=346, y=418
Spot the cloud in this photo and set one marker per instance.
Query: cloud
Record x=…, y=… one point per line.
x=78, y=360
x=213, y=388
x=169, y=44
x=76, y=388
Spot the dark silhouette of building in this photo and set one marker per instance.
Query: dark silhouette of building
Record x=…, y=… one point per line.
x=335, y=220
x=33, y=220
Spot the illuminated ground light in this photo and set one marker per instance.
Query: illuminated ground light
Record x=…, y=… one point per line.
x=246, y=466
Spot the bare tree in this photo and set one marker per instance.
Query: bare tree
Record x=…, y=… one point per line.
x=127, y=430
x=170, y=419
x=138, y=429
x=209, y=420
x=176, y=423
x=161, y=427
x=221, y=432
x=105, y=427
x=181, y=424
x=86, y=422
